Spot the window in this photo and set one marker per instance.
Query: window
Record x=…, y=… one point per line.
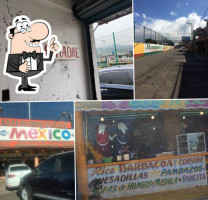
x=46, y=167
x=67, y=163
x=19, y=168
x=115, y=77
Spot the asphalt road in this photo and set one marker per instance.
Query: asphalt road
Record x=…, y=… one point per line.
x=6, y=195
x=159, y=76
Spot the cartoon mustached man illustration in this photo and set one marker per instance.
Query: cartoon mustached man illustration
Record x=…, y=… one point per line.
x=26, y=58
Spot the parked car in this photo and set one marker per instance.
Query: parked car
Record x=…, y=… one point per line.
x=52, y=179
x=117, y=82
x=183, y=49
x=13, y=175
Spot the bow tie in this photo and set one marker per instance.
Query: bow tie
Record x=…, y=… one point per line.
x=25, y=55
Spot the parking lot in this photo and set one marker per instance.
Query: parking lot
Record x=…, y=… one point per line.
x=6, y=195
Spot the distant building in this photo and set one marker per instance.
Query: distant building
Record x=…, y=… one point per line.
x=122, y=59
x=186, y=38
x=200, y=40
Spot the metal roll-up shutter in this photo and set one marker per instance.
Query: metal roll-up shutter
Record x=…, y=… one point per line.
x=91, y=11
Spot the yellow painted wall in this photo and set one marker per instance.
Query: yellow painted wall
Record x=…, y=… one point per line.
x=138, y=49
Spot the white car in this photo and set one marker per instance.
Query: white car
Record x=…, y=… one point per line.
x=13, y=175
x=183, y=49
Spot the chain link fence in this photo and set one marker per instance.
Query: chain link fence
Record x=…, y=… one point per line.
x=144, y=34
x=115, y=48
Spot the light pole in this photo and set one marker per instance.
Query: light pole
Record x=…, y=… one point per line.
x=104, y=47
x=191, y=30
x=144, y=34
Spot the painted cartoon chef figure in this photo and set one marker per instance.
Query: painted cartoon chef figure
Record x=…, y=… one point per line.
x=103, y=144
x=26, y=57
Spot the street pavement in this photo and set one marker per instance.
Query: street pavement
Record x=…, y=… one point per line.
x=158, y=76
x=195, y=77
x=6, y=195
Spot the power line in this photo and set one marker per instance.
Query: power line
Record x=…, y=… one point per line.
x=203, y=17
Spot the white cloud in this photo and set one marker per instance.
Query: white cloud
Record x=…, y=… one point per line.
x=175, y=26
x=187, y=3
x=173, y=13
x=144, y=16
x=137, y=14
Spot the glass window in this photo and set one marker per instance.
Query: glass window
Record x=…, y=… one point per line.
x=47, y=167
x=140, y=135
x=102, y=78
x=67, y=163
x=130, y=74
x=19, y=168
x=115, y=77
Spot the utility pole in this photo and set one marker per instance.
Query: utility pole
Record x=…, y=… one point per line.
x=29, y=110
x=115, y=49
x=155, y=37
x=191, y=30
x=151, y=34
x=144, y=34
x=134, y=32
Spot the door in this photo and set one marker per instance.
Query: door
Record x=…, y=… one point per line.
x=64, y=184
x=42, y=181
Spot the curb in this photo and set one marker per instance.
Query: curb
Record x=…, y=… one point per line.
x=177, y=85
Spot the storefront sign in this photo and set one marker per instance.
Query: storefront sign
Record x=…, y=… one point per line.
x=32, y=133
x=69, y=52
x=35, y=123
x=89, y=105
x=147, y=177
x=142, y=105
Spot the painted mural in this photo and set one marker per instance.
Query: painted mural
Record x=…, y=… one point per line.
x=141, y=49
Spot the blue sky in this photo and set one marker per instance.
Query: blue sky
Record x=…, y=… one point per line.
x=39, y=110
x=161, y=9
x=170, y=16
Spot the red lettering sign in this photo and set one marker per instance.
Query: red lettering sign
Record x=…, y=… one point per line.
x=14, y=132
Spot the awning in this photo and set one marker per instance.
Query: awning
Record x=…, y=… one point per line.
x=91, y=11
x=141, y=105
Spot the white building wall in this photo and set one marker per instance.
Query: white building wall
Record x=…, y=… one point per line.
x=64, y=79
